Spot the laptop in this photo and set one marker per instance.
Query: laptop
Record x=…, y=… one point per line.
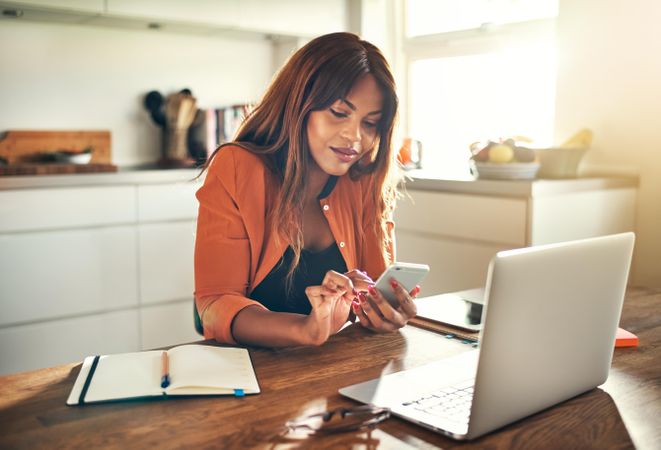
x=550, y=317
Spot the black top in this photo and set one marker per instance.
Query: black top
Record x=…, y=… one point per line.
x=311, y=270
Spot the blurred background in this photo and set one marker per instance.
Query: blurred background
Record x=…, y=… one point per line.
x=103, y=262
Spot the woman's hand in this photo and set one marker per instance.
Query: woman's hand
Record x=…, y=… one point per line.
x=331, y=303
x=376, y=314
x=361, y=281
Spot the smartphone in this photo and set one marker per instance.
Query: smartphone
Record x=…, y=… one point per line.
x=408, y=275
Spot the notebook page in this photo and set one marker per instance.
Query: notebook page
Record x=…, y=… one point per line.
x=197, y=369
x=126, y=375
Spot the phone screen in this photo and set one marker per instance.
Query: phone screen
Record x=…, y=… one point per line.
x=460, y=309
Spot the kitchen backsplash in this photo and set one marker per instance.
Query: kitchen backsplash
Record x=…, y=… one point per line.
x=63, y=77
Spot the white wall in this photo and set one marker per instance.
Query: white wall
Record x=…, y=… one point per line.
x=609, y=80
x=55, y=76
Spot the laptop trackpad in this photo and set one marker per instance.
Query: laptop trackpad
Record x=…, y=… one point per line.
x=392, y=389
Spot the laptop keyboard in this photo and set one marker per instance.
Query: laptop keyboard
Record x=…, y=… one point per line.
x=451, y=402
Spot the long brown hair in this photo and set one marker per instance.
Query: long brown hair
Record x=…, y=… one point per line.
x=314, y=77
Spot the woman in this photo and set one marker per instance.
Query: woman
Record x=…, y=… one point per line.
x=294, y=220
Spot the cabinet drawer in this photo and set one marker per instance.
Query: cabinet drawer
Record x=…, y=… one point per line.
x=166, y=325
x=47, y=344
x=581, y=215
x=174, y=201
x=39, y=209
x=486, y=219
x=52, y=274
x=166, y=261
x=454, y=265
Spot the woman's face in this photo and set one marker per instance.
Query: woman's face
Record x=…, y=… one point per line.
x=340, y=135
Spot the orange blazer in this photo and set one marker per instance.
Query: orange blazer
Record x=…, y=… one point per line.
x=234, y=246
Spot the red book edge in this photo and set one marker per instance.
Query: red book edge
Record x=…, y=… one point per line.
x=624, y=338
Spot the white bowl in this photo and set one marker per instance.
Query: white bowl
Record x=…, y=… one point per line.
x=559, y=162
x=73, y=158
x=505, y=171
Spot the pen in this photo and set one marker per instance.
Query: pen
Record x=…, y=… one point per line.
x=165, y=370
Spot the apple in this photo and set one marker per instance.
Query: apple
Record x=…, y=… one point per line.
x=501, y=153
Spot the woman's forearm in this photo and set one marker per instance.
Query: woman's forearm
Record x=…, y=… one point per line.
x=257, y=326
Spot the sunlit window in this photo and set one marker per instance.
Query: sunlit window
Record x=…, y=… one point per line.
x=479, y=86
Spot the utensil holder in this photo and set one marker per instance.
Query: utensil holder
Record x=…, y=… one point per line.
x=174, y=144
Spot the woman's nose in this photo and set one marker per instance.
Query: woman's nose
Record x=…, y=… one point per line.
x=352, y=131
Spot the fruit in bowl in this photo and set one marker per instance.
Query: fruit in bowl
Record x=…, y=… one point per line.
x=507, y=151
x=503, y=160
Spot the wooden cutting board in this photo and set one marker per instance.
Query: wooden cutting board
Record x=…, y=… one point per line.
x=17, y=146
x=22, y=150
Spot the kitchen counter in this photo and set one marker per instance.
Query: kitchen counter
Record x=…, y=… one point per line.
x=125, y=175
x=424, y=181
x=420, y=180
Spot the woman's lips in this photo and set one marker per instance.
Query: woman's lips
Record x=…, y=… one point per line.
x=345, y=154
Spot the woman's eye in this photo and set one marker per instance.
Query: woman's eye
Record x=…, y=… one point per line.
x=338, y=113
x=370, y=125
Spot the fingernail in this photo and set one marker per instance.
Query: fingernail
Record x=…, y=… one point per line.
x=393, y=283
x=355, y=302
x=361, y=296
x=371, y=290
x=355, y=306
x=417, y=288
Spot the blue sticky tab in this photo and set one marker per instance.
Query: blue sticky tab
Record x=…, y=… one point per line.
x=466, y=342
x=238, y=392
x=449, y=336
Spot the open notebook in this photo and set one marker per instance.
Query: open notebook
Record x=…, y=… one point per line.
x=193, y=370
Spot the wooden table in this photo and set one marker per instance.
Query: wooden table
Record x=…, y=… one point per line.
x=623, y=413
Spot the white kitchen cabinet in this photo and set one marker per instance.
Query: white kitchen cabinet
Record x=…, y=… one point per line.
x=95, y=264
x=47, y=275
x=48, y=343
x=166, y=261
x=469, y=217
x=455, y=264
x=66, y=207
x=172, y=201
x=167, y=324
x=578, y=215
x=457, y=227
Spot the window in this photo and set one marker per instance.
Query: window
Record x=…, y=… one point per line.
x=478, y=73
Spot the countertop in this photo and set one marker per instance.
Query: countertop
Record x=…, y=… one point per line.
x=421, y=180
x=125, y=175
x=417, y=180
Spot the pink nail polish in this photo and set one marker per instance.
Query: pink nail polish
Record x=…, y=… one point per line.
x=393, y=283
x=371, y=290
